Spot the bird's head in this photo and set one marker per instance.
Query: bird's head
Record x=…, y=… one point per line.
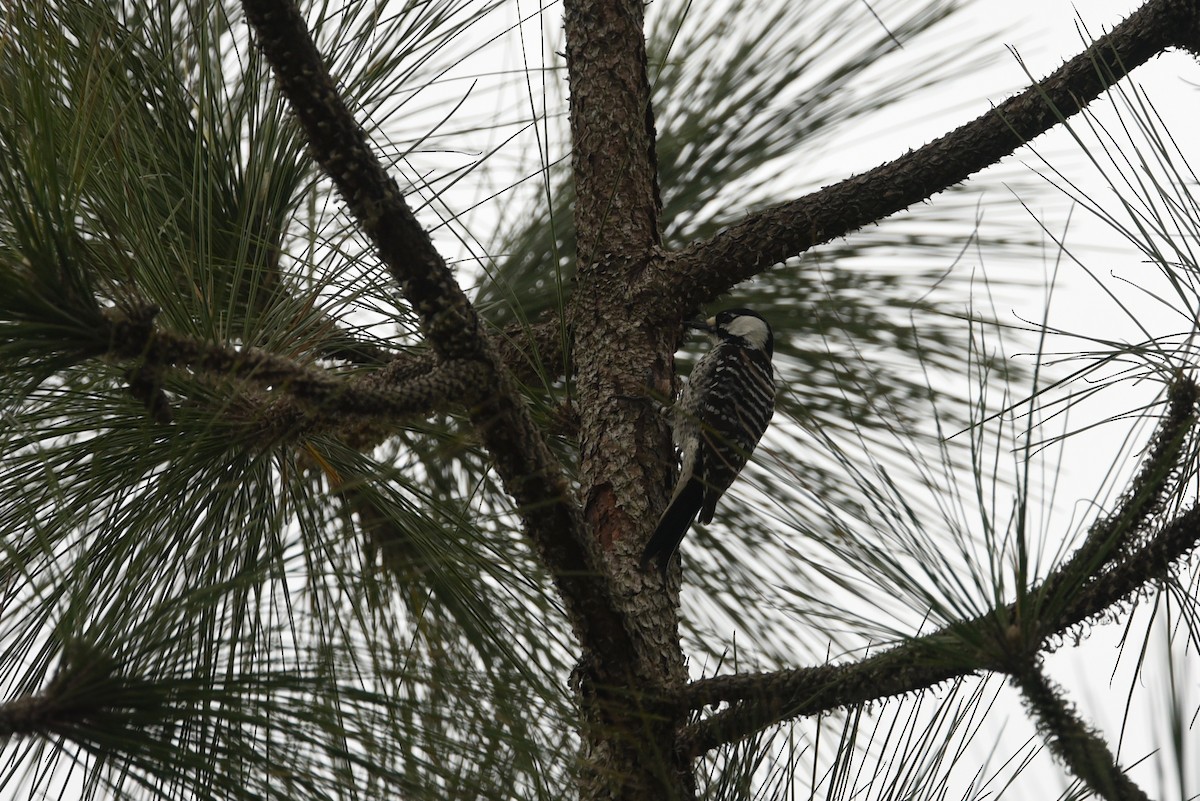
x=740, y=326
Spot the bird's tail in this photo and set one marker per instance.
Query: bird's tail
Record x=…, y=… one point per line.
x=673, y=525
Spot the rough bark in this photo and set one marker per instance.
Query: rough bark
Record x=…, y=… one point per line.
x=1078, y=745
x=623, y=368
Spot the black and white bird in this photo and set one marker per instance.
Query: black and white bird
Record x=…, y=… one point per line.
x=718, y=419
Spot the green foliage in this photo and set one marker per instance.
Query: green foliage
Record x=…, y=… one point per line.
x=203, y=600
x=203, y=586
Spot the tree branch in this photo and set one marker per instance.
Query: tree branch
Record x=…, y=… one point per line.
x=85, y=687
x=329, y=396
x=985, y=643
x=765, y=699
x=35, y=715
x=340, y=146
x=529, y=352
x=1079, y=746
x=1115, y=534
x=707, y=269
x=531, y=474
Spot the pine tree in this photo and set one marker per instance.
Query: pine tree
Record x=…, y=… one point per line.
x=312, y=489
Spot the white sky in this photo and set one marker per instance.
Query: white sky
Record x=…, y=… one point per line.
x=1045, y=35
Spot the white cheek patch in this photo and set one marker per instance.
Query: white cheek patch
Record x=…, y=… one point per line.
x=751, y=329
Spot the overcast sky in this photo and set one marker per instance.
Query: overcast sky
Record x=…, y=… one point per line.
x=1044, y=33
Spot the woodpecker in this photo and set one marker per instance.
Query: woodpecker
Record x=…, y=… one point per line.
x=717, y=421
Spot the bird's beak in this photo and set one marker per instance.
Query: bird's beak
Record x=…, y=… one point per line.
x=701, y=325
